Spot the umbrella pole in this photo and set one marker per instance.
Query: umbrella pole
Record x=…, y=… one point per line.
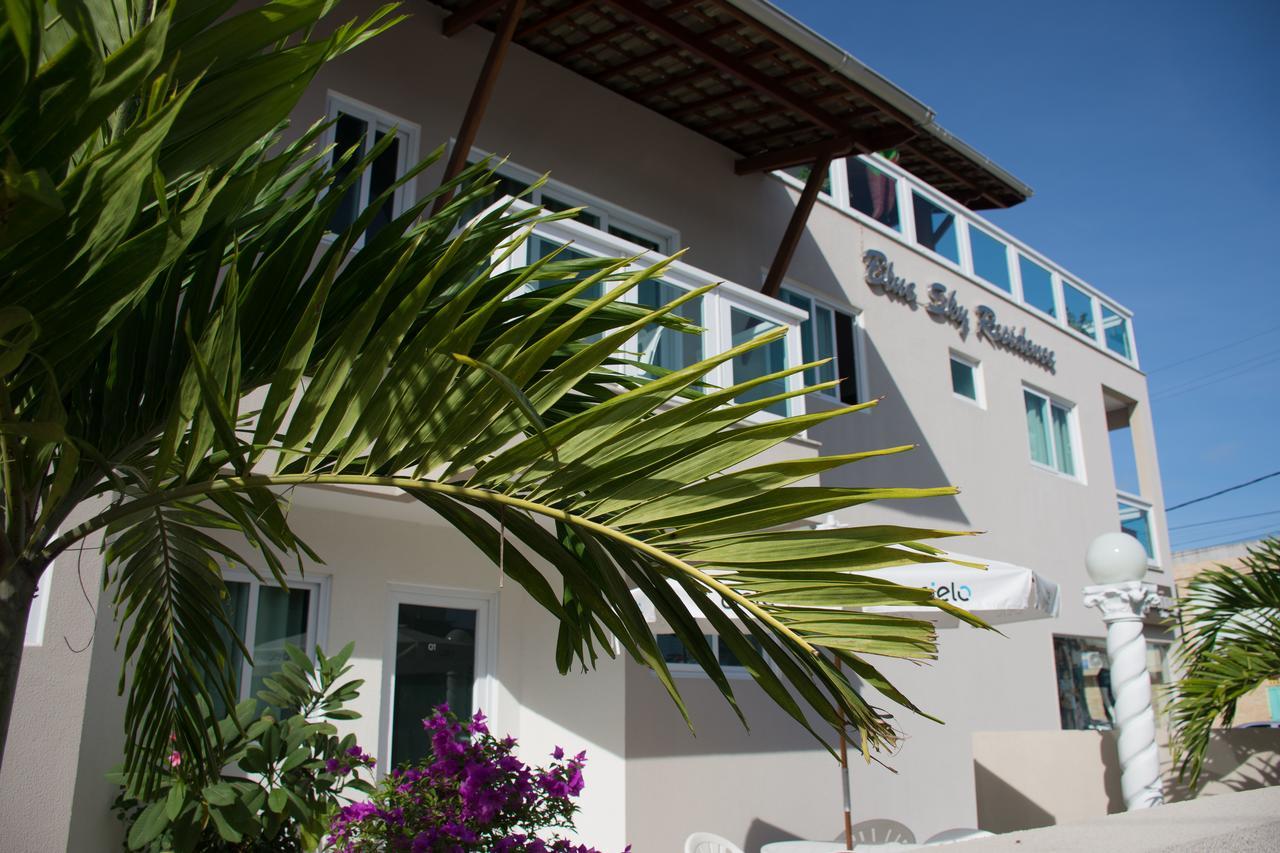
x=844, y=780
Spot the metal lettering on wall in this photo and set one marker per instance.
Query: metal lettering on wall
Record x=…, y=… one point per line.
x=944, y=307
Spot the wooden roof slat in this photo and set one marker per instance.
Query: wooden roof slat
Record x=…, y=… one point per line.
x=537, y=25
x=468, y=15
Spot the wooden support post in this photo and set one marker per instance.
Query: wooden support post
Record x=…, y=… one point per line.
x=791, y=237
x=480, y=97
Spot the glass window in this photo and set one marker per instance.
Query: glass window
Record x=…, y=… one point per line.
x=761, y=361
x=803, y=173
x=936, y=228
x=1037, y=286
x=990, y=259
x=873, y=192
x=661, y=346
x=632, y=237
x=827, y=333
x=1085, y=699
x=266, y=618
x=555, y=205
x=1079, y=308
x=1136, y=521
x=964, y=378
x=674, y=652
x=435, y=663
x=1115, y=329
x=359, y=130
x=1049, y=432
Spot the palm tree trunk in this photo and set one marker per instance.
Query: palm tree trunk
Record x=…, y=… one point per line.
x=16, y=594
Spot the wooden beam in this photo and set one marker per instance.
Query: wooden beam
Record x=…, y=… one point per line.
x=800, y=155
x=467, y=15
x=657, y=20
x=545, y=21
x=795, y=228
x=480, y=97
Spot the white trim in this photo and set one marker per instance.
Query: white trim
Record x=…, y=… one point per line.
x=1073, y=426
x=979, y=385
x=377, y=120
x=667, y=238
x=317, y=614
x=484, y=694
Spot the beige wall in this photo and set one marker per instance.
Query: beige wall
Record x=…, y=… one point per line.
x=1031, y=779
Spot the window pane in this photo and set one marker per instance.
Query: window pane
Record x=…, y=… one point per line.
x=990, y=259
x=633, y=237
x=1062, y=440
x=1116, y=332
x=847, y=359
x=936, y=228
x=555, y=205
x=435, y=663
x=1079, y=308
x=1136, y=521
x=825, y=346
x=963, y=381
x=1085, y=699
x=725, y=655
x=760, y=361
x=282, y=618
x=236, y=608
x=382, y=174
x=1037, y=286
x=803, y=172
x=873, y=192
x=1124, y=463
x=663, y=347
x=348, y=132
x=1038, y=427
x=506, y=187
x=540, y=247
x=807, y=346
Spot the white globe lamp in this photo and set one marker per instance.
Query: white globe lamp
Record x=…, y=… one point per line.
x=1115, y=558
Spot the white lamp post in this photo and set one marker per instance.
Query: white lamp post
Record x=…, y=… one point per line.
x=1117, y=563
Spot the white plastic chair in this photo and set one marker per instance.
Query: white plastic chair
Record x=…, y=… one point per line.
x=709, y=842
x=951, y=836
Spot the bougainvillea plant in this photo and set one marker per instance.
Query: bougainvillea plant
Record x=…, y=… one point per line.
x=471, y=794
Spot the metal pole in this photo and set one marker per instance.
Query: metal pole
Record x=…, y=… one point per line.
x=844, y=779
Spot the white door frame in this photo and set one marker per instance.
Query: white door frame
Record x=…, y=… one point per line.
x=484, y=693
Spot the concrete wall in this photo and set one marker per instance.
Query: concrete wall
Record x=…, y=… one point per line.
x=1025, y=780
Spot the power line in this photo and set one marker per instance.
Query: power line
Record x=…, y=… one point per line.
x=1223, y=491
x=1234, y=343
x=1244, y=535
x=1224, y=520
x=1253, y=363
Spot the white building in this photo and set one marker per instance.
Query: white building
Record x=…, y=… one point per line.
x=1019, y=381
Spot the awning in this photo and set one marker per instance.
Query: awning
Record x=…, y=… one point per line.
x=1000, y=594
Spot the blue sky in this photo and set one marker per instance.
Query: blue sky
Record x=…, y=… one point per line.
x=1149, y=131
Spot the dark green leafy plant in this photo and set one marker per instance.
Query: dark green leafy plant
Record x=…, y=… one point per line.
x=1230, y=645
x=291, y=771
x=165, y=253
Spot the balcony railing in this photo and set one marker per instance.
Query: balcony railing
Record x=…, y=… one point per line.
x=730, y=314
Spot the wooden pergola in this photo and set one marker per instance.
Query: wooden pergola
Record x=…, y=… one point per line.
x=721, y=72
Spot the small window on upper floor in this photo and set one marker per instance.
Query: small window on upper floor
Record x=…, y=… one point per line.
x=1115, y=329
x=1037, y=286
x=990, y=258
x=935, y=228
x=828, y=333
x=1051, y=432
x=1079, y=308
x=966, y=378
x=361, y=127
x=682, y=661
x=873, y=192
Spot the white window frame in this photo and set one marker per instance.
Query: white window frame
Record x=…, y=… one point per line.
x=317, y=616
x=484, y=691
x=716, y=304
x=832, y=395
x=376, y=120
x=667, y=238
x=1153, y=561
x=979, y=385
x=1073, y=426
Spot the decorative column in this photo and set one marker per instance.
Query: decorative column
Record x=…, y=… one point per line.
x=1113, y=561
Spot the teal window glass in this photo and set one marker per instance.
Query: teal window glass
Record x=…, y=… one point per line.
x=586, y=217
x=665, y=347
x=1038, y=428
x=1063, y=453
x=540, y=247
x=964, y=380
x=1115, y=330
x=725, y=655
x=1079, y=308
x=639, y=239
x=435, y=663
x=1037, y=286
x=873, y=192
x=990, y=259
x=281, y=619
x=1136, y=521
x=1049, y=433
x=761, y=361
x=817, y=339
x=936, y=228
